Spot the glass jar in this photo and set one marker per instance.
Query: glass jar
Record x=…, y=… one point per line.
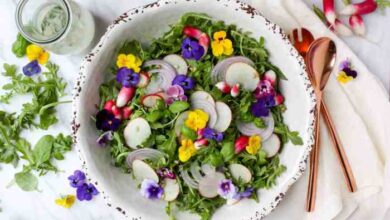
x=59, y=26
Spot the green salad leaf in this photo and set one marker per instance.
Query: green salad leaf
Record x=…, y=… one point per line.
x=20, y=45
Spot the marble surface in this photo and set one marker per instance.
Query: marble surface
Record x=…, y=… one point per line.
x=374, y=50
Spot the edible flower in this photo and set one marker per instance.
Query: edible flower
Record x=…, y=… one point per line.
x=66, y=201
x=37, y=53
x=31, y=68
x=191, y=49
x=186, y=82
x=262, y=106
x=127, y=77
x=221, y=45
x=227, y=189
x=129, y=61
x=106, y=121
x=86, y=192
x=197, y=119
x=166, y=173
x=346, y=73
x=254, y=144
x=175, y=93
x=264, y=88
x=186, y=150
x=343, y=77
x=105, y=138
x=212, y=134
x=151, y=190
x=245, y=194
x=77, y=179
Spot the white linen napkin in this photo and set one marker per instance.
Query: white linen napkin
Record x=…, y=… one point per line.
x=361, y=113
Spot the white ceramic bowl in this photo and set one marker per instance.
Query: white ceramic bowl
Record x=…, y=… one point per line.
x=151, y=21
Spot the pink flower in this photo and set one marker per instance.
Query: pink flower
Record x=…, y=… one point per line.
x=175, y=93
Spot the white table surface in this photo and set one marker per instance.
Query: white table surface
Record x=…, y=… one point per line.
x=16, y=204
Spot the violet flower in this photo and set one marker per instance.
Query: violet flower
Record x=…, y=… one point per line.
x=226, y=189
x=166, y=173
x=105, y=138
x=151, y=190
x=175, y=93
x=245, y=194
x=77, y=179
x=190, y=49
x=184, y=81
x=262, y=106
x=350, y=72
x=264, y=88
x=345, y=64
x=86, y=192
x=212, y=134
x=32, y=68
x=127, y=77
x=106, y=121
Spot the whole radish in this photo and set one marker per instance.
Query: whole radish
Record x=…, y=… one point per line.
x=124, y=96
x=362, y=8
x=357, y=24
x=329, y=11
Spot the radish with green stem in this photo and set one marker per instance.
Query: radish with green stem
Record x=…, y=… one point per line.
x=361, y=8
x=329, y=11
x=357, y=24
x=124, y=96
x=341, y=28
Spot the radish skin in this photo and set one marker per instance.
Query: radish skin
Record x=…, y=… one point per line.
x=329, y=11
x=342, y=29
x=150, y=100
x=357, y=24
x=361, y=8
x=124, y=96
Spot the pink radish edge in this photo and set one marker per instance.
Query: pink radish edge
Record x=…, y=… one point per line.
x=329, y=11
x=361, y=8
x=357, y=24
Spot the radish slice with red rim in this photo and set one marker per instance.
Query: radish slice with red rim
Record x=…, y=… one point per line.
x=177, y=62
x=151, y=100
x=165, y=73
x=207, y=107
x=143, y=154
x=243, y=74
x=218, y=72
x=250, y=128
x=142, y=170
x=137, y=131
x=271, y=146
x=202, y=96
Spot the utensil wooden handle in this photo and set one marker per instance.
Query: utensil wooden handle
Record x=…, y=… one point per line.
x=348, y=174
x=314, y=156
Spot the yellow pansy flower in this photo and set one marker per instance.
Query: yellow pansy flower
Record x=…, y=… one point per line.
x=130, y=61
x=254, y=144
x=221, y=45
x=197, y=119
x=35, y=52
x=66, y=201
x=186, y=150
x=343, y=77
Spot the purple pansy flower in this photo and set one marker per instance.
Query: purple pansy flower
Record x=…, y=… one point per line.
x=261, y=107
x=190, y=49
x=32, y=68
x=105, y=138
x=86, y=192
x=245, y=194
x=166, y=173
x=350, y=72
x=226, y=189
x=151, y=190
x=264, y=88
x=212, y=134
x=127, y=77
x=184, y=81
x=175, y=93
x=106, y=121
x=77, y=179
x=345, y=64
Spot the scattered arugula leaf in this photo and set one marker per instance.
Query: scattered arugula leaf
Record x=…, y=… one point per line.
x=26, y=181
x=20, y=45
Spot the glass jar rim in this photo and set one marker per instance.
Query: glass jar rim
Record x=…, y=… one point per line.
x=19, y=23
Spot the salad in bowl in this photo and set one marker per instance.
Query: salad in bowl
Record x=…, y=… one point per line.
x=196, y=117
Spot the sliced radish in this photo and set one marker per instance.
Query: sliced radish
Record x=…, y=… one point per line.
x=271, y=146
x=150, y=100
x=224, y=116
x=171, y=189
x=187, y=179
x=250, y=128
x=142, y=170
x=232, y=201
x=136, y=132
x=202, y=96
x=243, y=74
x=208, y=169
x=207, y=107
x=240, y=172
x=219, y=71
x=163, y=95
x=270, y=76
x=180, y=122
x=178, y=63
x=208, y=185
x=195, y=172
x=143, y=80
x=142, y=154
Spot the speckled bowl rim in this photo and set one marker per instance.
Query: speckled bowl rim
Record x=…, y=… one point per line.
x=278, y=32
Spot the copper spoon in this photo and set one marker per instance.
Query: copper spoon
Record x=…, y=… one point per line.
x=321, y=58
x=301, y=39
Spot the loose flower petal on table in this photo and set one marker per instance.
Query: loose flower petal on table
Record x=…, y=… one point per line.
x=77, y=179
x=32, y=68
x=66, y=201
x=344, y=78
x=86, y=192
x=37, y=53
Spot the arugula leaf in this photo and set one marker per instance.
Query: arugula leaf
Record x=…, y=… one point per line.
x=26, y=181
x=20, y=45
x=178, y=106
x=227, y=151
x=42, y=150
x=169, y=146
